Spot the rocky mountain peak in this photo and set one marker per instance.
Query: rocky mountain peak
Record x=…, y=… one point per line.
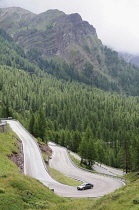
x=74, y=18
x=53, y=33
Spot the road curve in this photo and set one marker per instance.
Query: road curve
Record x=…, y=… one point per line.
x=101, y=168
x=34, y=166
x=102, y=184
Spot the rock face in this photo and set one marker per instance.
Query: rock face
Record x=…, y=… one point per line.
x=54, y=33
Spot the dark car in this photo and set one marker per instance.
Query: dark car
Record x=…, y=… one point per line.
x=85, y=186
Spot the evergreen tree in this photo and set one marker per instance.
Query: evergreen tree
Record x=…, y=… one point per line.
x=41, y=124
x=87, y=148
x=91, y=152
x=125, y=156
x=31, y=124
x=75, y=140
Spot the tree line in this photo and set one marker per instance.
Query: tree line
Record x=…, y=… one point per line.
x=54, y=103
x=77, y=116
x=116, y=75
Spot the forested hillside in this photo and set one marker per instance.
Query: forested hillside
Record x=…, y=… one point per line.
x=75, y=115
x=68, y=48
x=55, y=102
x=72, y=114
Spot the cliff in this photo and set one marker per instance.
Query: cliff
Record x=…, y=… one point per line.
x=54, y=34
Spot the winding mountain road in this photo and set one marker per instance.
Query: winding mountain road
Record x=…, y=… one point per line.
x=101, y=168
x=34, y=166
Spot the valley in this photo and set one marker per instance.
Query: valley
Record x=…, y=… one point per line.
x=64, y=86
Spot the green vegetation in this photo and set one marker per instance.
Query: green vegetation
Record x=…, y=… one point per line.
x=93, y=112
x=75, y=160
x=124, y=198
x=68, y=109
x=22, y=192
x=116, y=75
x=126, y=76
x=58, y=176
x=16, y=190
x=78, y=162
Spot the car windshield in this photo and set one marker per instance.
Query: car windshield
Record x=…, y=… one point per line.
x=83, y=184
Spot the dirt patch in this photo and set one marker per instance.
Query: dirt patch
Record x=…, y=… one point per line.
x=47, y=151
x=3, y=128
x=18, y=158
x=44, y=148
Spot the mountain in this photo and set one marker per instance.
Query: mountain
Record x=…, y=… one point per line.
x=68, y=48
x=13, y=18
x=48, y=88
x=53, y=33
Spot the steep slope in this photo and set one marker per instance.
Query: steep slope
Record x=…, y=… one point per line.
x=69, y=107
x=14, y=18
x=53, y=33
x=68, y=47
x=66, y=36
x=13, y=55
x=22, y=192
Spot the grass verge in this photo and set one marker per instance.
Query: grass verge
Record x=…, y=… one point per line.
x=22, y=192
x=16, y=190
x=58, y=176
x=78, y=163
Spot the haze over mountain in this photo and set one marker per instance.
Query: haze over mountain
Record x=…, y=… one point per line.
x=130, y=58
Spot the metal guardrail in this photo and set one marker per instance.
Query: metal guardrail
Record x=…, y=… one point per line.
x=98, y=173
x=81, y=168
x=9, y=118
x=95, y=172
x=2, y=126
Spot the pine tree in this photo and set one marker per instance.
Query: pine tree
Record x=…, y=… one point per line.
x=31, y=124
x=87, y=148
x=41, y=124
x=125, y=156
x=91, y=153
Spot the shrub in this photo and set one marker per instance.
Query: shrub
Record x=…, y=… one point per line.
x=2, y=190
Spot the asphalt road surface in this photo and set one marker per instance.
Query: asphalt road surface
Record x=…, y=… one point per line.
x=61, y=161
x=101, y=168
x=34, y=166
